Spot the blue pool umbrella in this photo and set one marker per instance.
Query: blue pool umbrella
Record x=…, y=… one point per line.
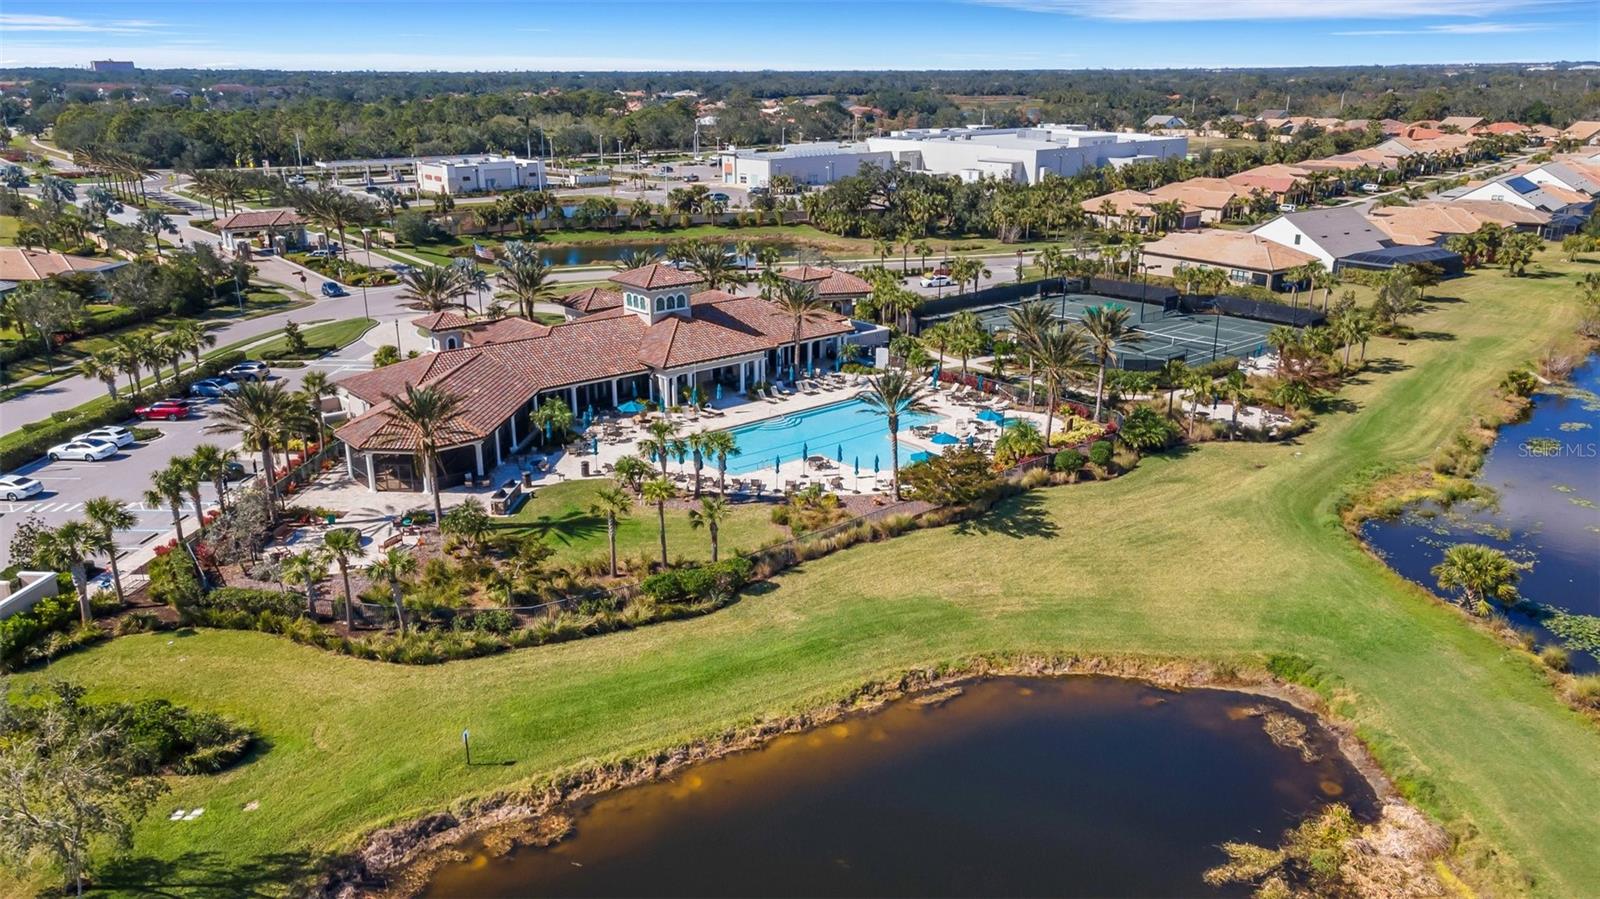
x=775, y=463
x=683, y=451
x=838, y=454
x=805, y=451
x=594, y=446
x=936, y=376
x=631, y=407
x=971, y=440
x=992, y=416
x=547, y=431
x=874, y=464
x=858, y=466
x=921, y=456
x=719, y=391
x=944, y=439
x=980, y=383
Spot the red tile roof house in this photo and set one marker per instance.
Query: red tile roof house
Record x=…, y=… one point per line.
x=262, y=229
x=664, y=338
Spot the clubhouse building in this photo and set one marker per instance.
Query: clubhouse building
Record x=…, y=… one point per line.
x=660, y=340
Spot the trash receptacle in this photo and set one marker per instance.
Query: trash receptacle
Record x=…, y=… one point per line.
x=583, y=468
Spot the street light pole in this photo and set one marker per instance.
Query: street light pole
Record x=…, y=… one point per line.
x=366, y=241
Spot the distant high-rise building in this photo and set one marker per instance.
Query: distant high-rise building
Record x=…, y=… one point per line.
x=111, y=65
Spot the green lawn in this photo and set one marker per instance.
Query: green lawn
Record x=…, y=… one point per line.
x=559, y=514
x=1231, y=551
x=257, y=302
x=320, y=339
x=9, y=224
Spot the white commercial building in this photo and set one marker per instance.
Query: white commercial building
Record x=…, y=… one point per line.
x=1014, y=154
x=815, y=163
x=479, y=174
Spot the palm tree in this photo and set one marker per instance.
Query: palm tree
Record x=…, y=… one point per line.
x=1235, y=388
x=108, y=516
x=707, y=259
x=720, y=445
x=169, y=487
x=799, y=301
x=658, y=491
x=430, y=414
x=893, y=394
x=662, y=441
x=191, y=337
x=306, y=568
x=1200, y=390
x=429, y=286
x=712, y=513
x=103, y=367
x=526, y=281
x=314, y=386
x=192, y=477
x=631, y=258
x=342, y=545
x=1479, y=573
x=611, y=502
x=263, y=414
x=211, y=463
x=393, y=568
x=699, y=445
x=1108, y=330
x=66, y=548
x=1061, y=352
x=153, y=222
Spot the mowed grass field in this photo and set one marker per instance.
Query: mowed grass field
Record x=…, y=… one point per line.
x=1231, y=551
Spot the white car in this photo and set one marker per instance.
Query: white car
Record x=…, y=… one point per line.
x=936, y=281
x=14, y=487
x=83, y=450
x=110, y=434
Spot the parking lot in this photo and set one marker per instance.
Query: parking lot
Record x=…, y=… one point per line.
x=126, y=475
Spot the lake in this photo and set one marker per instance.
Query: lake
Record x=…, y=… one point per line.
x=1074, y=786
x=1544, y=477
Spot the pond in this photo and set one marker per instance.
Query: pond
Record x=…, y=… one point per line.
x=607, y=253
x=1544, y=477
x=1074, y=786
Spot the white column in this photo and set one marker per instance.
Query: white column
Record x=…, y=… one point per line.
x=741, y=376
x=477, y=449
x=349, y=461
x=614, y=402
x=497, y=459
x=573, y=392
x=514, y=429
x=372, y=474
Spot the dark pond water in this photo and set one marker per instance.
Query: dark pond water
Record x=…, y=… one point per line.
x=1017, y=787
x=1544, y=474
x=595, y=254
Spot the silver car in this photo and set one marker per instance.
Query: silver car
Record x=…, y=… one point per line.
x=110, y=433
x=15, y=486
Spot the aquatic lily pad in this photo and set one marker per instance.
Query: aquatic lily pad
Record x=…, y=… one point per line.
x=1575, y=425
x=1542, y=446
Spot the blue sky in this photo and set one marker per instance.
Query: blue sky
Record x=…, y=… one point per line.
x=794, y=34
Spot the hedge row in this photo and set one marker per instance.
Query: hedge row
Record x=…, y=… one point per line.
x=32, y=440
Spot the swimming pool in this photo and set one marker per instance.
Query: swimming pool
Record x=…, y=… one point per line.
x=850, y=429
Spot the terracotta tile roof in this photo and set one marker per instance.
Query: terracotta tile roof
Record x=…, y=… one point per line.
x=1125, y=202
x=1425, y=223
x=17, y=264
x=271, y=218
x=1505, y=128
x=493, y=379
x=1228, y=249
x=1464, y=122
x=442, y=321
x=592, y=300
x=829, y=282
x=1277, y=177
x=655, y=276
x=504, y=330
x=1200, y=193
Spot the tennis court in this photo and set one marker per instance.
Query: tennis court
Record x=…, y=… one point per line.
x=1165, y=333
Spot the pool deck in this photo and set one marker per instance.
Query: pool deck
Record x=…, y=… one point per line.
x=336, y=491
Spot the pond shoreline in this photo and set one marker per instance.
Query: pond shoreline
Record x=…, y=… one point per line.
x=397, y=862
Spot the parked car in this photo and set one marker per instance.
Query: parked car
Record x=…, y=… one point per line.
x=15, y=486
x=233, y=471
x=691, y=177
x=1371, y=188
x=249, y=371
x=400, y=268
x=83, y=450
x=298, y=179
x=332, y=289
x=760, y=191
x=324, y=253
x=936, y=281
x=664, y=170
x=1287, y=207
x=720, y=197
x=213, y=387
x=171, y=410
x=110, y=433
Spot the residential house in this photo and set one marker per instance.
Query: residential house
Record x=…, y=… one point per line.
x=840, y=290
x=1330, y=234
x=1584, y=132
x=19, y=265
x=1247, y=258
x=1133, y=210
x=1284, y=183
x=1431, y=224
x=1216, y=199
x=1164, y=122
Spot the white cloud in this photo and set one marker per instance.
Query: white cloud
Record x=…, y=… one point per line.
x=68, y=25
x=1210, y=10
x=1451, y=28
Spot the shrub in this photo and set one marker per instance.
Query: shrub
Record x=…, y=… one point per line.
x=1068, y=461
x=173, y=580
x=252, y=601
x=683, y=585
x=22, y=634
x=1585, y=691
x=954, y=478
x=1555, y=658
x=1035, y=478
x=1101, y=453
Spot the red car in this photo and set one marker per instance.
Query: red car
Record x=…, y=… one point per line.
x=171, y=410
